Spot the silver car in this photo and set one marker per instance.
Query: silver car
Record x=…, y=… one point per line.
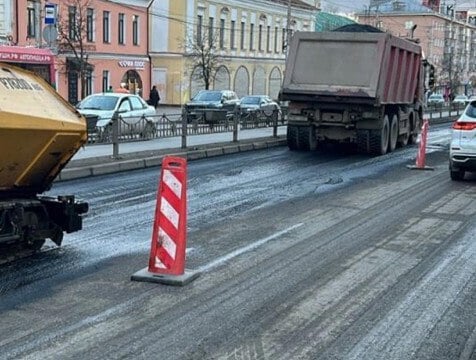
x=263, y=103
x=463, y=144
x=136, y=117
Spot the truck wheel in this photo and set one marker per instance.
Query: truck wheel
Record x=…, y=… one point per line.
x=403, y=139
x=378, y=139
x=362, y=141
x=306, y=138
x=414, y=130
x=292, y=137
x=392, y=141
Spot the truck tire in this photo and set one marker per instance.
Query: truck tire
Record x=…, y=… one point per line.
x=412, y=139
x=301, y=138
x=292, y=137
x=363, y=141
x=307, y=138
x=393, y=137
x=378, y=139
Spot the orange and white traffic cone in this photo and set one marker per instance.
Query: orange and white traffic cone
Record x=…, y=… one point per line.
x=421, y=154
x=167, y=253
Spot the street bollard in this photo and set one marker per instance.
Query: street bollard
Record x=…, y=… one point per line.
x=115, y=135
x=275, y=123
x=184, y=128
x=235, y=124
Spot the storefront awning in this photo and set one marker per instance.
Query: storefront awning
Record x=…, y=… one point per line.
x=22, y=54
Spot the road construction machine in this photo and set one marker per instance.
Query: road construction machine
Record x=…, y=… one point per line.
x=39, y=133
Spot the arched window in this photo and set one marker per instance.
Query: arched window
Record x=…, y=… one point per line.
x=196, y=82
x=222, y=79
x=274, y=83
x=259, y=81
x=242, y=81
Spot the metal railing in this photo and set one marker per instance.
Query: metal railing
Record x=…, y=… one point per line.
x=203, y=121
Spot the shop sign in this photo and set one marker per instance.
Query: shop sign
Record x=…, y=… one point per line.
x=137, y=64
x=18, y=57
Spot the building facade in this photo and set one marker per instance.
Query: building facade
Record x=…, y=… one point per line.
x=110, y=37
x=447, y=38
x=250, y=38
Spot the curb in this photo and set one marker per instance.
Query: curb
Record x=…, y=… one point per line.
x=82, y=169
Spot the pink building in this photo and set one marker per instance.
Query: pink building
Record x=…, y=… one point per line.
x=109, y=38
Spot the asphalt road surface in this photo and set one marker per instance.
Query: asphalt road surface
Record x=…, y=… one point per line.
x=324, y=255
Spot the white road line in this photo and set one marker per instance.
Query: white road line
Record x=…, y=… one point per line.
x=247, y=248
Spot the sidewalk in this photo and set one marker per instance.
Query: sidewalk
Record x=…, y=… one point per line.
x=93, y=160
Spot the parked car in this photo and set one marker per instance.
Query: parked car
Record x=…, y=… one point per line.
x=436, y=100
x=460, y=100
x=463, y=144
x=136, y=116
x=213, y=100
x=259, y=102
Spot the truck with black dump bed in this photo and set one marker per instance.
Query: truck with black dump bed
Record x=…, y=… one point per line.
x=356, y=85
x=39, y=134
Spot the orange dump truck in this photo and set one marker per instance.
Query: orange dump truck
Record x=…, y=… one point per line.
x=353, y=86
x=39, y=133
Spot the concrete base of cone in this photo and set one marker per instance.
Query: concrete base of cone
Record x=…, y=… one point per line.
x=145, y=275
x=414, y=167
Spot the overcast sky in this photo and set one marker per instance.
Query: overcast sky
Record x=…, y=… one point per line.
x=352, y=6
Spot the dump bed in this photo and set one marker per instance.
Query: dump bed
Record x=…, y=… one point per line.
x=373, y=67
x=39, y=132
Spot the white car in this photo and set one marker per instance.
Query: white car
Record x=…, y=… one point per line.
x=136, y=117
x=463, y=144
x=461, y=99
x=436, y=100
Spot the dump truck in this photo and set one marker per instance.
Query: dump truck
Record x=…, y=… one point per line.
x=39, y=133
x=364, y=88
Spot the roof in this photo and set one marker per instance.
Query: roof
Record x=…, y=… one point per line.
x=413, y=6
x=328, y=22
x=297, y=4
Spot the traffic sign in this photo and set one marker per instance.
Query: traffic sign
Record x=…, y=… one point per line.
x=50, y=14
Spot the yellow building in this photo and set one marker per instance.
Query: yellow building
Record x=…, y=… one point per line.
x=250, y=37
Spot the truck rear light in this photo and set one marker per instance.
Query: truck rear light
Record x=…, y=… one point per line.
x=461, y=125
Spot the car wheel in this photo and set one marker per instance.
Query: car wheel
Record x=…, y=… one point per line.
x=457, y=175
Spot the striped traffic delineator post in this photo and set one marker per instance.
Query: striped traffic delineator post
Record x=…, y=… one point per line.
x=421, y=154
x=169, y=235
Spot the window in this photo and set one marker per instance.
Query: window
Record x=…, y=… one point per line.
x=72, y=26
x=136, y=103
x=232, y=34
x=31, y=27
x=135, y=30
x=252, y=26
x=89, y=83
x=105, y=80
x=276, y=39
x=120, y=24
x=106, y=37
x=210, y=31
x=260, y=37
x=199, y=29
x=242, y=36
x=222, y=33
x=283, y=40
x=90, y=25
x=268, y=39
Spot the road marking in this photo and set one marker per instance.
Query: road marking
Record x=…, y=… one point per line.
x=247, y=248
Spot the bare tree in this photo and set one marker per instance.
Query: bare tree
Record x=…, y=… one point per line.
x=72, y=37
x=202, y=56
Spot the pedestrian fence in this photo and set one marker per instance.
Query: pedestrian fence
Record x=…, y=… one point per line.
x=209, y=121
x=202, y=121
